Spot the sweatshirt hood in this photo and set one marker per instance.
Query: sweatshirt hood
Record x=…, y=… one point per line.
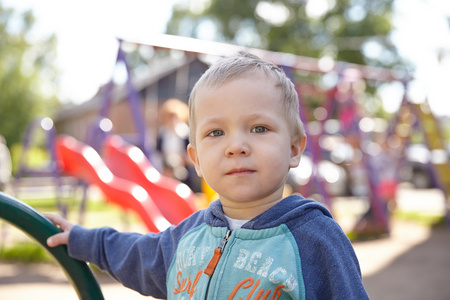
x=290, y=208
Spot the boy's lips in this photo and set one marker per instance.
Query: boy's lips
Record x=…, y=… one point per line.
x=240, y=171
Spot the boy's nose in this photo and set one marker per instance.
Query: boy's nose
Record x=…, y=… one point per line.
x=237, y=146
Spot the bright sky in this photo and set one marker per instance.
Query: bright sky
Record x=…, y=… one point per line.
x=87, y=31
x=87, y=46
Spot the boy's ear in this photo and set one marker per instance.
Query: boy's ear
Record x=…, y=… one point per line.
x=192, y=152
x=297, y=148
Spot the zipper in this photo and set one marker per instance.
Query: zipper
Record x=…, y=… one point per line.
x=209, y=270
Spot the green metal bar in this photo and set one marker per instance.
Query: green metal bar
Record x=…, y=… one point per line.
x=40, y=229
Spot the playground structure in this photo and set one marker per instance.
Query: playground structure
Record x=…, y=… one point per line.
x=129, y=162
x=82, y=161
x=342, y=102
x=46, y=127
x=40, y=229
x=127, y=178
x=132, y=182
x=343, y=105
x=338, y=104
x=418, y=118
x=95, y=135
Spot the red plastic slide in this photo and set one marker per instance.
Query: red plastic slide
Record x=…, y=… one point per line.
x=175, y=199
x=82, y=161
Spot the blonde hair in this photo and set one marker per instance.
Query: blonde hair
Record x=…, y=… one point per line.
x=243, y=64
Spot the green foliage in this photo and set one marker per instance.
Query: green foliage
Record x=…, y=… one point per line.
x=339, y=29
x=36, y=158
x=27, y=75
x=420, y=218
x=353, y=31
x=26, y=252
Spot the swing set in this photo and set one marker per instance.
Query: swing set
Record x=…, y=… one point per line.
x=347, y=110
x=343, y=103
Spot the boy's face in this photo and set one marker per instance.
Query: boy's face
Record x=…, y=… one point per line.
x=244, y=147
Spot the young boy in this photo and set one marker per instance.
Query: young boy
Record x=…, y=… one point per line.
x=251, y=243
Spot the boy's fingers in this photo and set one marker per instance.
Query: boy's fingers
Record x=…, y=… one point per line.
x=58, y=239
x=60, y=222
x=54, y=219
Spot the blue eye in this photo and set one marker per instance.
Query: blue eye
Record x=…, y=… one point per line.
x=259, y=129
x=216, y=133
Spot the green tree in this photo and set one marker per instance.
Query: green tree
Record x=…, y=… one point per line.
x=354, y=31
x=27, y=75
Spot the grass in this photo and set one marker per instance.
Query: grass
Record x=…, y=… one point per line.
x=421, y=218
x=418, y=217
x=20, y=248
x=25, y=252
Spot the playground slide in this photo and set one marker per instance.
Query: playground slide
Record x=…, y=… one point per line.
x=82, y=161
x=175, y=199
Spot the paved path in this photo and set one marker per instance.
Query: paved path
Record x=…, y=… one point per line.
x=414, y=263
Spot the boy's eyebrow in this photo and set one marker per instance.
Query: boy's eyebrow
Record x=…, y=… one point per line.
x=205, y=122
x=253, y=116
x=209, y=120
x=217, y=119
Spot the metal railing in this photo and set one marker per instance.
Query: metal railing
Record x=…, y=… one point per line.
x=39, y=228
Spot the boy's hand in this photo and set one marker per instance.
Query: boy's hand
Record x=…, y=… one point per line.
x=59, y=238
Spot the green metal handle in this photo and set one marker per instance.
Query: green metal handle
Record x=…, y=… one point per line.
x=40, y=229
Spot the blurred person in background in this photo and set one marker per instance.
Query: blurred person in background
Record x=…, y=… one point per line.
x=173, y=138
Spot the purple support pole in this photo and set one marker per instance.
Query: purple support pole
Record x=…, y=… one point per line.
x=133, y=100
x=52, y=170
x=135, y=106
x=314, y=147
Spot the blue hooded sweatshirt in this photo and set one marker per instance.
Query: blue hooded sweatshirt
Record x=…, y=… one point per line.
x=294, y=250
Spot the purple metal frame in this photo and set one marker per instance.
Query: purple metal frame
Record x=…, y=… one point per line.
x=133, y=101
x=314, y=149
x=312, y=146
x=52, y=170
